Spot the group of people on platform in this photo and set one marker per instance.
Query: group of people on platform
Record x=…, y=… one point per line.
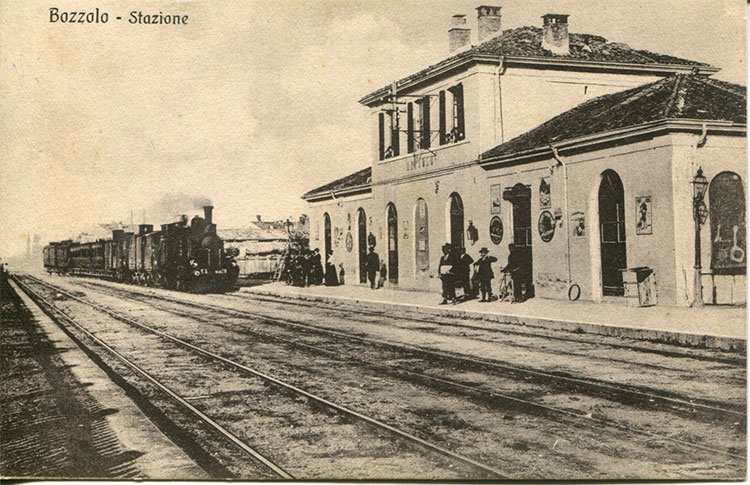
x=304, y=267
x=455, y=272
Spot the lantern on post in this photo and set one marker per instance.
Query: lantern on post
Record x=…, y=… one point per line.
x=700, y=183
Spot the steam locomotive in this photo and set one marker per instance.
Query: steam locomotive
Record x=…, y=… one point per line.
x=181, y=256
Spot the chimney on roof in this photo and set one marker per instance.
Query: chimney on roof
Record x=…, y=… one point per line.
x=555, y=35
x=458, y=36
x=488, y=22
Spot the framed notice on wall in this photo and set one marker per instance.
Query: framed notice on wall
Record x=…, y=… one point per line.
x=545, y=196
x=643, y=224
x=495, y=198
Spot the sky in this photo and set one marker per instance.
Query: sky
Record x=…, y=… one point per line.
x=250, y=104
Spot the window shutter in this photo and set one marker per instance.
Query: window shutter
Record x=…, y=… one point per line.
x=442, y=118
x=410, y=128
x=395, y=141
x=459, y=100
x=425, y=138
x=381, y=134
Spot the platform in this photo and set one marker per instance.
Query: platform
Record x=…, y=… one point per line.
x=720, y=327
x=117, y=434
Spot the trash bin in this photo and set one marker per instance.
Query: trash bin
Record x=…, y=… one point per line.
x=640, y=286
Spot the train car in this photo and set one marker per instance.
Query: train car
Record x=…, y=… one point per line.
x=57, y=257
x=181, y=256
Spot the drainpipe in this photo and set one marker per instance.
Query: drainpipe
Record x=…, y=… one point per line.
x=566, y=215
x=500, y=71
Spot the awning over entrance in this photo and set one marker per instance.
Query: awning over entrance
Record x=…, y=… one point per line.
x=518, y=191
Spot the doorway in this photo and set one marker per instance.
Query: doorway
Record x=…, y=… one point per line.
x=457, y=221
x=520, y=197
x=612, y=233
x=362, y=241
x=392, y=244
x=326, y=236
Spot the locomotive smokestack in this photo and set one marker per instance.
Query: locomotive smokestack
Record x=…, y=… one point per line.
x=208, y=209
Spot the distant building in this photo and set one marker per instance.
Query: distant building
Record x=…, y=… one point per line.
x=261, y=243
x=579, y=151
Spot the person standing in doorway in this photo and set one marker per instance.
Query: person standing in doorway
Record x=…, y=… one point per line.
x=483, y=268
x=445, y=268
x=372, y=265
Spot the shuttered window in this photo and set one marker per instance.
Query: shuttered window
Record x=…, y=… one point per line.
x=381, y=135
x=395, y=142
x=424, y=139
x=410, y=128
x=458, y=128
x=443, y=138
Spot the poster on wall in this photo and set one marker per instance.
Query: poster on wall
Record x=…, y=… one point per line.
x=578, y=224
x=495, y=198
x=546, y=226
x=545, y=198
x=643, y=223
x=496, y=230
x=349, y=242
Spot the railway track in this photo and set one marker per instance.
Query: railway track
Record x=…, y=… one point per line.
x=650, y=398
x=469, y=466
x=488, y=396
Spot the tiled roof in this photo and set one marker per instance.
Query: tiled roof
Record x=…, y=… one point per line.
x=253, y=233
x=678, y=96
x=357, y=179
x=527, y=42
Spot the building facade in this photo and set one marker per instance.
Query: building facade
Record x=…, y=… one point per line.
x=579, y=151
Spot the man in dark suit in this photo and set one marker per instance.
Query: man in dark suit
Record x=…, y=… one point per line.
x=445, y=268
x=483, y=268
x=372, y=265
x=462, y=269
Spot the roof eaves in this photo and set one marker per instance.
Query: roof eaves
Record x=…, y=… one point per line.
x=317, y=196
x=609, y=136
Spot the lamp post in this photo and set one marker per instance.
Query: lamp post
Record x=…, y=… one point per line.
x=699, y=213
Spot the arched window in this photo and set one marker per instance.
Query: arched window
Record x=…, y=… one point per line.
x=726, y=199
x=457, y=220
x=421, y=237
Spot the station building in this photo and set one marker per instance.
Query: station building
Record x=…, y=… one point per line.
x=584, y=153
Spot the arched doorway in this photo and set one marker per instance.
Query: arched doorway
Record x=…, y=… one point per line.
x=726, y=202
x=457, y=220
x=612, y=233
x=392, y=244
x=327, y=236
x=362, y=241
x=421, y=238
